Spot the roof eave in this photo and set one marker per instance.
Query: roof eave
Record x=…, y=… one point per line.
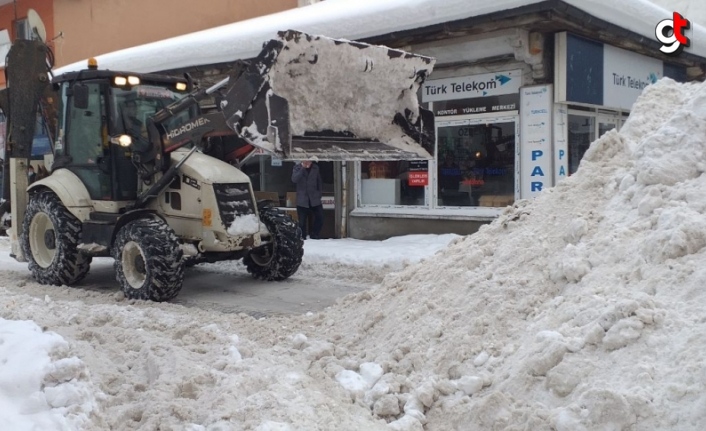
x=548, y=16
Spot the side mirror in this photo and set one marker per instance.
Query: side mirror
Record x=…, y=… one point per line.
x=80, y=94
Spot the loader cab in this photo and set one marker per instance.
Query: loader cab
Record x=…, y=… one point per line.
x=97, y=106
x=133, y=106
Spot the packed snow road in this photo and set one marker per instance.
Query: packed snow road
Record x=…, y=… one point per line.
x=228, y=289
x=331, y=269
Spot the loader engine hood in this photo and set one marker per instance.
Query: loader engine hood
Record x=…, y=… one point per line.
x=337, y=100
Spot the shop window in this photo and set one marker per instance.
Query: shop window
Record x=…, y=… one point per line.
x=584, y=128
x=604, y=127
x=393, y=183
x=476, y=165
x=582, y=131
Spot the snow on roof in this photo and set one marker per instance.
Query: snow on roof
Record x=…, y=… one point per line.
x=356, y=20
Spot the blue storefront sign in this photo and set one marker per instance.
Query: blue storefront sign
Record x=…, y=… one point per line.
x=593, y=73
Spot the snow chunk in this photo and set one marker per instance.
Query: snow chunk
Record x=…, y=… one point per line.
x=371, y=372
x=274, y=426
x=247, y=224
x=352, y=382
x=470, y=384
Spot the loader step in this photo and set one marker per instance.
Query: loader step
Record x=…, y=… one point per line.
x=96, y=237
x=97, y=216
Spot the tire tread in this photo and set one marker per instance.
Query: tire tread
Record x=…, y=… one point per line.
x=163, y=256
x=70, y=265
x=288, y=247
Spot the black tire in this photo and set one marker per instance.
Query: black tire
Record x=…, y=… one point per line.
x=281, y=258
x=149, y=261
x=49, y=241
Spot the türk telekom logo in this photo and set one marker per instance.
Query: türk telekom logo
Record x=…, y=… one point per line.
x=671, y=33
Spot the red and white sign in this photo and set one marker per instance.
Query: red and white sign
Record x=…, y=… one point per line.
x=418, y=175
x=670, y=32
x=418, y=178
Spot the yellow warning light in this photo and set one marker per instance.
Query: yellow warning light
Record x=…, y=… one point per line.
x=207, y=217
x=92, y=63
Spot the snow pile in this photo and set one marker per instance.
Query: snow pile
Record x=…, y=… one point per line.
x=581, y=310
x=41, y=385
x=162, y=366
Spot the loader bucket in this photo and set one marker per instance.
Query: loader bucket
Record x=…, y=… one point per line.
x=317, y=97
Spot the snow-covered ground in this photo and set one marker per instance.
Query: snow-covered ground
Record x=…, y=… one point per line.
x=43, y=386
x=582, y=309
x=394, y=252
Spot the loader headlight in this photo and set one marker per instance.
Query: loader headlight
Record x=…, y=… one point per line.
x=181, y=86
x=123, y=80
x=122, y=140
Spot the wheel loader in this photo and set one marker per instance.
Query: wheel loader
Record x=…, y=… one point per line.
x=139, y=172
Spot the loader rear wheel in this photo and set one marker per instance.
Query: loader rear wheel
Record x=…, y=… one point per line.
x=50, y=236
x=148, y=260
x=281, y=258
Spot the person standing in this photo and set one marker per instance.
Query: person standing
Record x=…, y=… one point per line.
x=31, y=175
x=307, y=177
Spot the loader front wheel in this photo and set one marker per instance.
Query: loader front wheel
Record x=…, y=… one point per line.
x=281, y=257
x=49, y=240
x=148, y=260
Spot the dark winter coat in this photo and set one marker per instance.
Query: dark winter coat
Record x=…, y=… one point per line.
x=309, y=185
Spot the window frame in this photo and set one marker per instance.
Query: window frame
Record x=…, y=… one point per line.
x=431, y=206
x=600, y=116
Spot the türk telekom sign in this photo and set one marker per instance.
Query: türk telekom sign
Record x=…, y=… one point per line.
x=472, y=86
x=598, y=74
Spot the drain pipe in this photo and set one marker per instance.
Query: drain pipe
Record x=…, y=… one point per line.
x=344, y=200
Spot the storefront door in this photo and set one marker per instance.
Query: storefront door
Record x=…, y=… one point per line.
x=606, y=122
x=584, y=128
x=476, y=162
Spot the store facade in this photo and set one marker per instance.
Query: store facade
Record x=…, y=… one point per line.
x=483, y=157
x=509, y=124
x=476, y=161
x=505, y=130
